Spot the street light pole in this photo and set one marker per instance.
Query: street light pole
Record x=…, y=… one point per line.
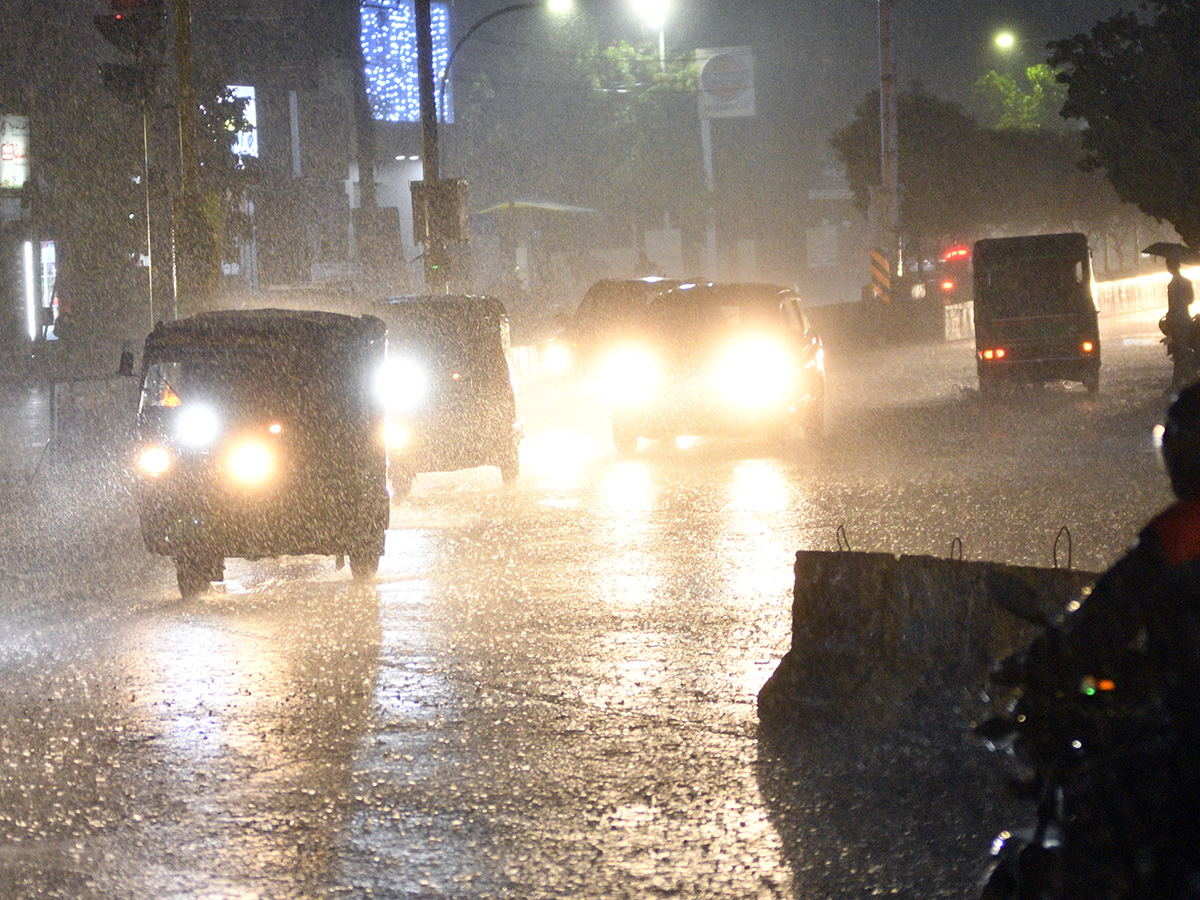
x=441, y=205
x=515, y=7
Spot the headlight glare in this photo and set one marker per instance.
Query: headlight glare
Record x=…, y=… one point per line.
x=396, y=435
x=630, y=377
x=556, y=358
x=251, y=463
x=153, y=460
x=197, y=426
x=403, y=384
x=755, y=373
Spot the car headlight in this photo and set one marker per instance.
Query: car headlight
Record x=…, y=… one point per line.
x=403, y=384
x=153, y=460
x=556, y=358
x=197, y=426
x=251, y=463
x=630, y=376
x=755, y=373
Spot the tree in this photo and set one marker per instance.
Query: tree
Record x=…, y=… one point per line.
x=1023, y=106
x=638, y=111
x=1135, y=83
x=938, y=147
x=608, y=111
x=224, y=176
x=962, y=180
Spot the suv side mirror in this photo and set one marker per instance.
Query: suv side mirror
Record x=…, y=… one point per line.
x=126, y=366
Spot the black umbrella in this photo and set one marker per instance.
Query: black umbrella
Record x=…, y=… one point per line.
x=1181, y=252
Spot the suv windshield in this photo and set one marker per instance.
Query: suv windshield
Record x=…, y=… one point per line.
x=707, y=310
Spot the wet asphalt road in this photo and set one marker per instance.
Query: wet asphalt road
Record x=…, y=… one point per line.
x=548, y=691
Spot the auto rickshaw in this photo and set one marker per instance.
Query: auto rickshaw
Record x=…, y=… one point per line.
x=260, y=434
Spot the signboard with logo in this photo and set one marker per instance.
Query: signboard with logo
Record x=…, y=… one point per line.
x=14, y=151
x=726, y=82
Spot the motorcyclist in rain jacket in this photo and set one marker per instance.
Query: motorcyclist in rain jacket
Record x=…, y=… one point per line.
x=1118, y=683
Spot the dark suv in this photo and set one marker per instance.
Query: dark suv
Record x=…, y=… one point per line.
x=718, y=359
x=447, y=387
x=261, y=434
x=611, y=310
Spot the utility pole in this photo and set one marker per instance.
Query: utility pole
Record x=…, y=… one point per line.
x=888, y=223
x=193, y=250
x=426, y=192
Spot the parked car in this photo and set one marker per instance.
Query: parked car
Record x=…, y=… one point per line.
x=448, y=388
x=261, y=435
x=718, y=359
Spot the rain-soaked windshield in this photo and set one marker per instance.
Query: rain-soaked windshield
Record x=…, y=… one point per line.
x=256, y=380
x=449, y=340
x=714, y=310
x=1034, y=286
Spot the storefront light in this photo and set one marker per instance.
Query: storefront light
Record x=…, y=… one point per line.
x=31, y=310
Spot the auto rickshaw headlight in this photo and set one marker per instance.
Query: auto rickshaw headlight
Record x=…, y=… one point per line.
x=396, y=435
x=153, y=460
x=556, y=358
x=403, y=384
x=197, y=426
x=251, y=463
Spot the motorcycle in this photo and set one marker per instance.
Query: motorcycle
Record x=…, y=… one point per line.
x=1096, y=763
x=1184, y=351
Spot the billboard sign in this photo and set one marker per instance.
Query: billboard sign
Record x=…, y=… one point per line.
x=14, y=151
x=726, y=82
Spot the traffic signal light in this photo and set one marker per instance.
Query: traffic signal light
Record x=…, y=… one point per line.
x=133, y=26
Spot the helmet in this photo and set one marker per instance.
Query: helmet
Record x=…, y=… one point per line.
x=1180, y=443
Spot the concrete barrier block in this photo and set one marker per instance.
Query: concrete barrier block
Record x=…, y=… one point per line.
x=871, y=632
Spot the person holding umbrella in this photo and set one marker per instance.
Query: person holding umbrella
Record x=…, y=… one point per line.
x=1177, y=324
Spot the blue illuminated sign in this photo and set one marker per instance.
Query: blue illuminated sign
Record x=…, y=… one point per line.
x=389, y=43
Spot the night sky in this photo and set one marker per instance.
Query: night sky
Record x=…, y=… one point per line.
x=828, y=49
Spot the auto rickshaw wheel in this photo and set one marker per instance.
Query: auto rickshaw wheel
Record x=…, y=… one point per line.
x=1091, y=382
x=812, y=425
x=364, y=563
x=401, y=478
x=510, y=465
x=989, y=385
x=194, y=573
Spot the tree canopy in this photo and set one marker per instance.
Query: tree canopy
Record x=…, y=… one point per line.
x=1134, y=81
x=613, y=112
x=1026, y=103
x=960, y=180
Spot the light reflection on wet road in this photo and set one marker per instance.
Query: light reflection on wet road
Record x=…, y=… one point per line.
x=549, y=690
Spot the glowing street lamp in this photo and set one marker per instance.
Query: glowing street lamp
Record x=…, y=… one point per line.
x=654, y=14
x=1005, y=41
